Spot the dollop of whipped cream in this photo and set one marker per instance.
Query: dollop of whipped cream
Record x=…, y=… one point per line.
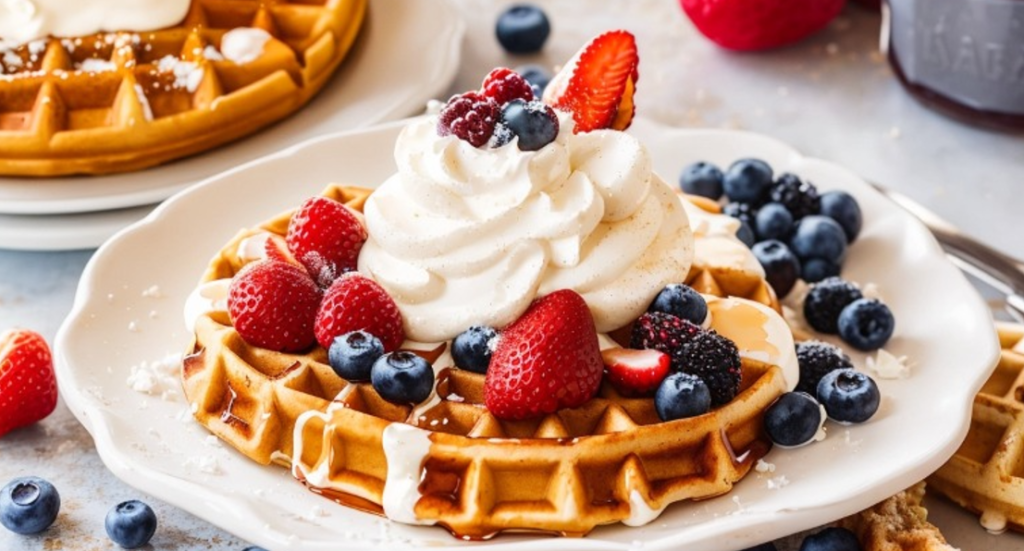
x=463, y=236
x=23, y=21
x=717, y=245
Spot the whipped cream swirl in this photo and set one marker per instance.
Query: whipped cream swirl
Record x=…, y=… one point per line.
x=22, y=21
x=463, y=236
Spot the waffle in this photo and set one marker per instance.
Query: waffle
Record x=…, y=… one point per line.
x=986, y=475
x=449, y=461
x=126, y=101
x=899, y=523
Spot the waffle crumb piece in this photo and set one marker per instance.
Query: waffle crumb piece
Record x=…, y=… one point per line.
x=899, y=523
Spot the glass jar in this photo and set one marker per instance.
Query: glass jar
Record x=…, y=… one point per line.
x=964, y=58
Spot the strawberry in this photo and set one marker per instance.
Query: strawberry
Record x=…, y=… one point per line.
x=276, y=248
x=357, y=303
x=326, y=237
x=546, y=360
x=28, y=388
x=635, y=372
x=759, y=24
x=272, y=305
x=504, y=85
x=597, y=85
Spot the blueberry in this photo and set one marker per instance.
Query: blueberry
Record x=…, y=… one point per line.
x=522, y=29
x=131, y=524
x=28, y=505
x=745, y=234
x=402, y=377
x=843, y=208
x=763, y=547
x=781, y=266
x=682, y=395
x=352, y=355
x=831, y=539
x=826, y=300
x=534, y=123
x=773, y=221
x=817, y=269
x=537, y=76
x=819, y=236
x=702, y=178
x=849, y=396
x=793, y=419
x=472, y=350
x=682, y=302
x=866, y=324
x=748, y=181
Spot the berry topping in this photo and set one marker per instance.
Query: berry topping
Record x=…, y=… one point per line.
x=866, y=324
x=352, y=355
x=759, y=24
x=834, y=538
x=763, y=547
x=817, y=269
x=744, y=212
x=272, y=305
x=28, y=505
x=682, y=395
x=131, y=524
x=522, y=29
x=547, y=359
x=472, y=349
x=635, y=372
x=276, y=248
x=326, y=237
x=28, y=392
x=693, y=350
x=826, y=300
x=748, y=181
x=843, y=208
x=537, y=76
x=534, y=123
x=597, y=86
x=357, y=303
x=799, y=197
x=849, y=396
x=746, y=234
x=402, y=377
x=773, y=221
x=702, y=178
x=470, y=116
x=816, y=360
x=793, y=420
x=504, y=85
x=819, y=236
x=682, y=302
x=781, y=266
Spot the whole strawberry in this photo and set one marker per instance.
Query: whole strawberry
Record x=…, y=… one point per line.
x=28, y=388
x=272, y=305
x=759, y=24
x=547, y=359
x=357, y=303
x=326, y=237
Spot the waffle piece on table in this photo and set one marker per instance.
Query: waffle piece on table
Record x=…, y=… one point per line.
x=114, y=102
x=986, y=475
x=899, y=523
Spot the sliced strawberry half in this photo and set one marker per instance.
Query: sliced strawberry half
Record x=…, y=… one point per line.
x=598, y=84
x=28, y=388
x=635, y=372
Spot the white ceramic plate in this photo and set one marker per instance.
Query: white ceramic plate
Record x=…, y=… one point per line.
x=65, y=232
x=942, y=325
x=383, y=78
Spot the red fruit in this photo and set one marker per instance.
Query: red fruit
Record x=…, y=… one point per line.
x=326, y=237
x=635, y=372
x=28, y=388
x=470, y=116
x=355, y=302
x=504, y=85
x=272, y=305
x=597, y=86
x=276, y=248
x=759, y=24
x=546, y=360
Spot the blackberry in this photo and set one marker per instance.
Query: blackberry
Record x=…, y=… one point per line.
x=826, y=300
x=816, y=360
x=798, y=196
x=693, y=350
x=470, y=116
x=744, y=212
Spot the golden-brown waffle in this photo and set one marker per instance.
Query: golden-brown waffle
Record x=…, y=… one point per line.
x=125, y=101
x=610, y=460
x=986, y=475
x=899, y=523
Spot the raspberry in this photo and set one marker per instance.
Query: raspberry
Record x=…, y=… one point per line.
x=816, y=360
x=826, y=300
x=470, y=116
x=694, y=350
x=798, y=196
x=504, y=85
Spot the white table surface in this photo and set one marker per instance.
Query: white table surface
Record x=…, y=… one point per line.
x=832, y=96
